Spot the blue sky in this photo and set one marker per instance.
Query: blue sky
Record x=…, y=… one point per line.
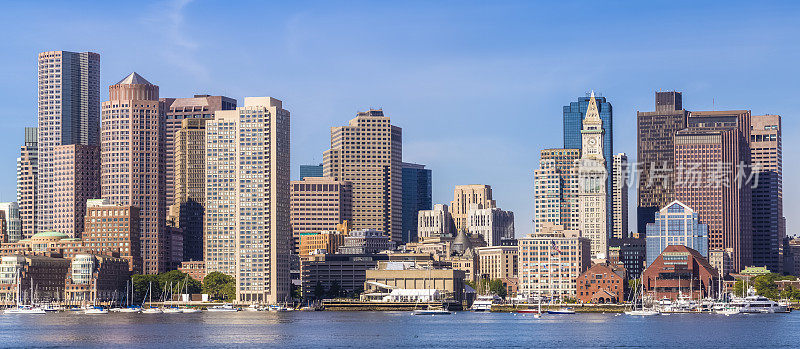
x=476, y=86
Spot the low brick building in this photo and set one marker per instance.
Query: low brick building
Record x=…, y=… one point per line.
x=602, y=284
x=679, y=269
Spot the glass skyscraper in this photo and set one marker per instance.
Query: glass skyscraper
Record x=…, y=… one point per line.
x=417, y=195
x=676, y=224
x=310, y=171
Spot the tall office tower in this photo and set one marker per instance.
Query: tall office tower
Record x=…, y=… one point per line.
x=676, y=224
x=188, y=208
x=436, y=222
x=592, y=180
x=76, y=179
x=707, y=154
x=248, y=229
x=574, y=114
x=131, y=171
x=311, y=171
x=114, y=228
x=466, y=195
x=319, y=204
x=176, y=110
x=766, y=154
x=13, y=223
x=69, y=113
x=619, y=196
x=494, y=224
x=27, y=174
x=655, y=154
x=368, y=153
x=555, y=189
x=417, y=196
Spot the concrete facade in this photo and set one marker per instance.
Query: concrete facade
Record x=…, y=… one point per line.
x=319, y=204
x=493, y=224
x=466, y=195
x=76, y=178
x=555, y=189
x=435, y=223
x=27, y=176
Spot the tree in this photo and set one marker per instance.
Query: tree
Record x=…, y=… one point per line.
x=219, y=285
x=319, y=291
x=335, y=290
x=497, y=287
x=179, y=281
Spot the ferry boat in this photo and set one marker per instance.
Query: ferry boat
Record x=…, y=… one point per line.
x=223, y=308
x=484, y=303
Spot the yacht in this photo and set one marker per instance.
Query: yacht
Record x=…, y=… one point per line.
x=253, y=307
x=755, y=304
x=172, y=310
x=25, y=309
x=96, y=311
x=191, y=310
x=562, y=311
x=131, y=309
x=484, y=303
x=152, y=311
x=223, y=308
x=432, y=310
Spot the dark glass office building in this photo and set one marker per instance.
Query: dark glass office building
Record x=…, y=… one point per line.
x=417, y=195
x=310, y=171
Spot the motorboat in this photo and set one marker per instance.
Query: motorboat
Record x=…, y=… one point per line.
x=191, y=310
x=484, y=303
x=562, y=311
x=643, y=312
x=528, y=311
x=432, y=310
x=52, y=308
x=728, y=311
x=755, y=304
x=223, y=308
x=253, y=307
x=96, y=311
x=25, y=309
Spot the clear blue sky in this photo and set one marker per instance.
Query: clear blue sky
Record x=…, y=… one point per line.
x=476, y=86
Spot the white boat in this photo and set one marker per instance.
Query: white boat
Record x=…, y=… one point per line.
x=96, y=311
x=152, y=311
x=643, y=312
x=253, y=307
x=191, y=310
x=172, y=310
x=432, y=310
x=484, y=303
x=755, y=304
x=52, y=308
x=131, y=309
x=563, y=311
x=25, y=309
x=223, y=308
x=728, y=311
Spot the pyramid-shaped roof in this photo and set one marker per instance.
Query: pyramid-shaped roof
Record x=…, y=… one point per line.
x=134, y=79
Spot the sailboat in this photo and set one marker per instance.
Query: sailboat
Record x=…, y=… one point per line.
x=431, y=309
x=171, y=309
x=24, y=309
x=150, y=309
x=95, y=309
x=642, y=311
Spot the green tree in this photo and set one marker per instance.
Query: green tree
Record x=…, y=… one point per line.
x=497, y=287
x=335, y=290
x=141, y=283
x=319, y=291
x=178, y=281
x=220, y=286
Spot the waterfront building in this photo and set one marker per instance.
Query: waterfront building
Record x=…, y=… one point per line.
x=619, y=196
x=676, y=224
x=247, y=225
x=369, y=153
x=311, y=171
x=417, y=196
x=199, y=107
x=602, y=284
x=75, y=179
x=680, y=270
x=493, y=224
x=592, y=184
x=44, y=275
x=96, y=278
x=329, y=241
x=113, y=228
x=551, y=260
x=713, y=146
x=655, y=154
x=46, y=243
x=628, y=252
x=27, y=177
x=348, y=272
x=466, y=195
x=189, y=182
x=366, y=241
x=435, y=223
x=766, y=154
x=131, y=171
x=69, y=113
x=448, y=283
x=499, y=263
x=13, y=222
x=555, y=188
x=195, y=269
x=319, y=204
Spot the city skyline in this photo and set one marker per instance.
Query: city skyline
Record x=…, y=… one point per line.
x=428, y=94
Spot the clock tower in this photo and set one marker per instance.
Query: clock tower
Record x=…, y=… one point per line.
x=592, y=179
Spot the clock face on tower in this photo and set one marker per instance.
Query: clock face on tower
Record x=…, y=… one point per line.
x=592, y=141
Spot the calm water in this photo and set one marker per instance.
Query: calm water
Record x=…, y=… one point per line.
x=397, y=330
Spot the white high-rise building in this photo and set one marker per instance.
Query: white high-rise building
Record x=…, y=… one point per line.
x=619, y=196
x=435, y=223
x=493, y=224
x=592, y=178
x=248, y=230
x=13, y=221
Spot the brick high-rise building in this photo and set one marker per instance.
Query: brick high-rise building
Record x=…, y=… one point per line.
x=766, y=155
x=76, y=178
x=27, y=174
x=132, y=168
x=177, y=110
x=248, y=229
x=188, y=209
x=113, y=228
x=655, y=154
x=714, y=145
x=466, y=195
x=319, y=204
x=369, y=153
x=69, y=113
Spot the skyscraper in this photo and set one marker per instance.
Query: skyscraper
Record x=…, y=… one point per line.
x=69, y=113
x=319, y=204
x=76, y=179
x=555, y=188
x=311, y=171
x=713, y=146
x=766, y=154
x=188, y=208
x=13, y=223
x=248, y=229
x=27, y=175
x=619, y=196
x=656, y=143
x=676, y=224
x=131, y=163
x=368, y=153
x=592, y=180
x=466, y=195
x=417, y=196
x=176, y=110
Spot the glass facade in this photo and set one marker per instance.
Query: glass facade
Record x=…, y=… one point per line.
x=676, y=224
x=417, y=195
x=310, y=171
